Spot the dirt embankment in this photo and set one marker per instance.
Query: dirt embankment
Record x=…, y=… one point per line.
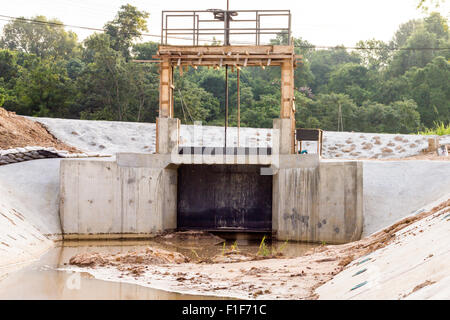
x=132, y=262
x=276, y=278
x=17, y=131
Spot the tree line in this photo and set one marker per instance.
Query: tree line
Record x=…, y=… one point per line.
x=401, y=86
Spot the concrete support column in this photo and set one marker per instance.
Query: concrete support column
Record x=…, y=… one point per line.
x=165, y=90
x=167, y=135
x=287, y=90
x=283, y=137
x=287, y=108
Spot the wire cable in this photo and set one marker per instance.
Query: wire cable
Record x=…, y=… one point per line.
x=58, y=24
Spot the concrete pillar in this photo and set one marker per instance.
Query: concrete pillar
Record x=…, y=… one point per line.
x=287, y=107
x=287, y=90
x=165, y=90
x=283, y=136
x=167, y=135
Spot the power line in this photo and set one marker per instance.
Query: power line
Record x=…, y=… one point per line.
x=370, y=48
x=57, y=24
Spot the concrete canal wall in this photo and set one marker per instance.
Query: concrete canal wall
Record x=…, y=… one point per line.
x=353, y=198
x=137, y=196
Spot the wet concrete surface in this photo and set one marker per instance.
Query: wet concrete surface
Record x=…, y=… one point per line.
x=42, y=280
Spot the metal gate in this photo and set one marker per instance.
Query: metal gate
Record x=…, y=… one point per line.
x=224, y=197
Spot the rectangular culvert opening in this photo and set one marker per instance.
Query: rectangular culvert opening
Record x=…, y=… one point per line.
x=224, y=198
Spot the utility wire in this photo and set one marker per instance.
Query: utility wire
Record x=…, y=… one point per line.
x=57, y=24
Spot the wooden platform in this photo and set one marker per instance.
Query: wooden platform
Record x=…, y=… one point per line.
x=218, y=56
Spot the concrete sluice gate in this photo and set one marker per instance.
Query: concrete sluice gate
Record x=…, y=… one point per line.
x=297, y=197
x=224, y=197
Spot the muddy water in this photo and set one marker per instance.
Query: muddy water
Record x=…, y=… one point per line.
x=41, y=280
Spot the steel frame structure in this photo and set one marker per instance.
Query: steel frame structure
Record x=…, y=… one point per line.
x=182, y=57
x=198, y=30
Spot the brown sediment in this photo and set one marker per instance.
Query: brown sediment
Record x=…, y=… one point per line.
x=148, y=256
x=420, y=286
x=432, y=156
x=17, y=131
x=191, y=235
x=247, y=276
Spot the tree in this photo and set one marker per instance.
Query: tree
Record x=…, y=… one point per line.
x=437, y=24
x=262, y=113
x=418, y=46
x=407, y=117
x=352, y=79
x=127, y=26
x=145, y=51
x=407, y=59
x=324, y=110
x=404, y=31
x=104, y=86
x=193, y=103
x=429, y=87
x=323, y=62
x=375, y=54
x=45, y=39
x=8, y=66
x=44, y=90
x=425, y=4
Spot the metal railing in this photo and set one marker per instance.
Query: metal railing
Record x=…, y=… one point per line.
x=201, y=21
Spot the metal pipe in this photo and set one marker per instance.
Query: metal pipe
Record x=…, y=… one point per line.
x=238, y=106
x=162, y=27
x=226, y=103
x=193, y=29
x=227, y=43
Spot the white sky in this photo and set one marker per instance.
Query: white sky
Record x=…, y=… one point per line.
x=322, y=22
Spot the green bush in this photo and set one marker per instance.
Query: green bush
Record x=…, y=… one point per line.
x=439, y=129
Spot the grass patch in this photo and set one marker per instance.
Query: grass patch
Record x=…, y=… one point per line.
x=439, y=129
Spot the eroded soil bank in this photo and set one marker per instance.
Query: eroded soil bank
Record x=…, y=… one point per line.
x=17, y=131
x=245, y=276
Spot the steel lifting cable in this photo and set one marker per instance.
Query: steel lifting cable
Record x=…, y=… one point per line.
x=187, y=109
x=182, y=108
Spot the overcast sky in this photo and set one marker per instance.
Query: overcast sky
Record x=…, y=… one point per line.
x=322, y=22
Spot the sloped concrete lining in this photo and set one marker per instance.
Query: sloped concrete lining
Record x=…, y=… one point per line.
x=28, y=211
x=101, y=199
x=395, y=189
x=414, y=266
x=321, y=202
x=20, y=242
x=32, y=188
x=110, y=137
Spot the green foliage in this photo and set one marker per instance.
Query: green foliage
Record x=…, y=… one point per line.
x=41, y=39
x=430, y=89
x=425, y=4
x=42, y=89
x=126, y=26
x=44, y=71
x=440, y=129
x=375, y=54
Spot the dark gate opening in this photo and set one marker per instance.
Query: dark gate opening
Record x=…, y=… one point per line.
x=224, y=198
